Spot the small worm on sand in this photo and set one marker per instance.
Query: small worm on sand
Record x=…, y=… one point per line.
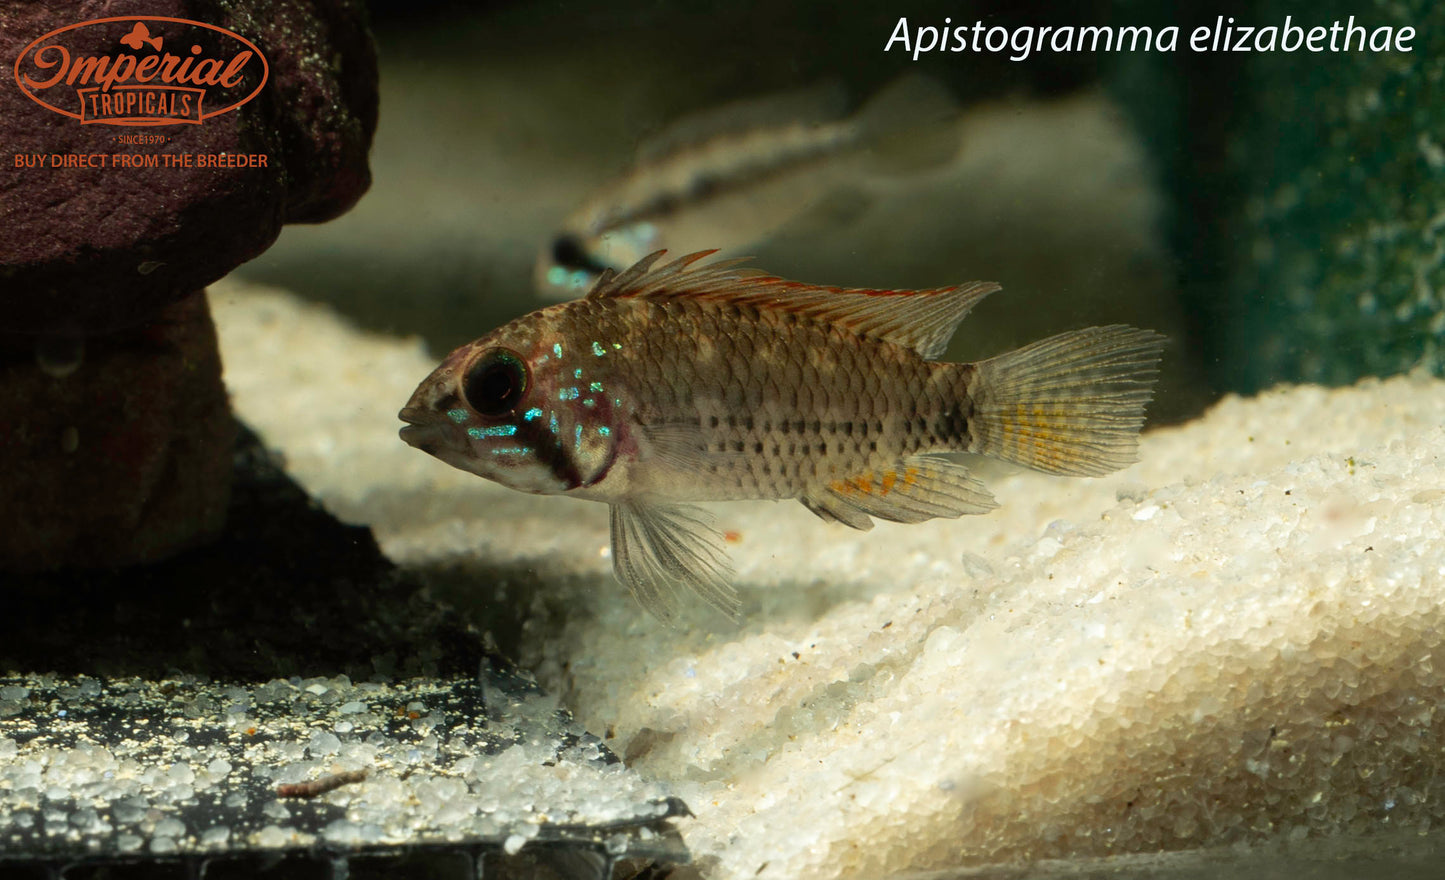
x=316, y=787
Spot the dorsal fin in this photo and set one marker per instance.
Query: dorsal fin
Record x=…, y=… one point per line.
x=922, y=320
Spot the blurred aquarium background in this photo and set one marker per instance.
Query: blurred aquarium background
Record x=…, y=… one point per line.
x=1271, y=212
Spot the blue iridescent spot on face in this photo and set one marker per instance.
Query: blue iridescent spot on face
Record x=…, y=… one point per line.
x=598, y=350
x=595, y=386
x=604, y=430
x=568, y=393
x=587, y=401
x=556, y=276
x=512, y=450
x=577, y=437
x=577, y=373
x=457, y=415
x=557, y=349
x=493, y=431
x=532, y=414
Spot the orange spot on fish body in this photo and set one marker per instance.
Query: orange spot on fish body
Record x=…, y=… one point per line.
x=876, y=484
x=733, y=537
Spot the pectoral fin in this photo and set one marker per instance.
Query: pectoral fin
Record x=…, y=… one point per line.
x=913, y=490
x=657, y=547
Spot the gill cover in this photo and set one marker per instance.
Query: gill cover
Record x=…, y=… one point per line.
x=542, y=409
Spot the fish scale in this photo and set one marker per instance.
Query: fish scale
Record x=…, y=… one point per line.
x=684, y=383
x=783, y=377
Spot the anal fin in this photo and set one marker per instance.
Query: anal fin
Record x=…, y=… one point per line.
x=831, y=508
x=915, y=489
x=657, y=547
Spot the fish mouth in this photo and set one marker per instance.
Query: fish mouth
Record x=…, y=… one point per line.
x=418, y=431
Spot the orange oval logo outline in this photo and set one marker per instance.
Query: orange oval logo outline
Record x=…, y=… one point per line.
x=265, y=65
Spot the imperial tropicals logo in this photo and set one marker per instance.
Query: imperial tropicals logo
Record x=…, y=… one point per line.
x=141, y=70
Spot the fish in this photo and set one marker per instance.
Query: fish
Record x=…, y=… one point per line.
x=691, y=381
x=735, y=175
x=139, y=36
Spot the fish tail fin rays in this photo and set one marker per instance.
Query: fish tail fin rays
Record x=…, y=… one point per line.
x=917, y=488
x=1071, y=404
x=658, y=547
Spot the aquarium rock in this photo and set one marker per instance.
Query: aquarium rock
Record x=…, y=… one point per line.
x=117, y=448
x=112, y=245
x=126, y=439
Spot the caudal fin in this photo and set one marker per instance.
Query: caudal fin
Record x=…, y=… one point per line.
x=1070, y=404
x=909, y=127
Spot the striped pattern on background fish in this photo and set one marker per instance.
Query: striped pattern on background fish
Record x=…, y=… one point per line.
x=690, y=382
x=737, y=174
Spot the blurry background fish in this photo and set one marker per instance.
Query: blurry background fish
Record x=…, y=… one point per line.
x=736, y=175
x=502, y=121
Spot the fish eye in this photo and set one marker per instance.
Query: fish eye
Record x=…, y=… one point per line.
x=496, y=383
x=567, y=250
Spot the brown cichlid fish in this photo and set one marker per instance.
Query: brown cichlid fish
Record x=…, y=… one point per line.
x=736, y=175
x=696, y=382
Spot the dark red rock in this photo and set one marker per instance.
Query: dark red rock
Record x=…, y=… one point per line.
x=323, y=71
x=125, y=459
x=89, y=250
